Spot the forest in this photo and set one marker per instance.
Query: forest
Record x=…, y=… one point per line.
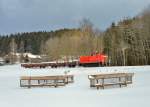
x=126, y=42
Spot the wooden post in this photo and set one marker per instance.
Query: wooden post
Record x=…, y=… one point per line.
x=20, y=83
x=97, y=87
x=46, y=81
x=55, y=83
x=29, y=82
x=90, y=83
x=64, y=82
x=72, y=79
x=97, y=81
x=67, y=80
x=38, y=81
x=120, y=81
x=103, y=83
x=131, y=79
x=126, y=80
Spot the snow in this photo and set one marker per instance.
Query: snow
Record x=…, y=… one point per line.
x=77, y=94
x=30, y=55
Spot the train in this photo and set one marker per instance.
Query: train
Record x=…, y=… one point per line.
x=84, y=61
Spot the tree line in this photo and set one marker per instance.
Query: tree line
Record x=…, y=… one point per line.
x=26, y=42
x=128, y=42
x=125, y=43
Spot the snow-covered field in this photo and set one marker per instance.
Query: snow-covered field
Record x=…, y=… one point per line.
x=77, y=94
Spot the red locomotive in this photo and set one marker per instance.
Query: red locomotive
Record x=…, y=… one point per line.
x=93, y=60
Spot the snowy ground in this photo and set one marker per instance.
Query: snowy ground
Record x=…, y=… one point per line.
x=78, y=94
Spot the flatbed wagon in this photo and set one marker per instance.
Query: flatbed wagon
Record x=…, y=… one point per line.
x=48, y=64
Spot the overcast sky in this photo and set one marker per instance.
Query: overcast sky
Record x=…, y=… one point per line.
x=35, y=15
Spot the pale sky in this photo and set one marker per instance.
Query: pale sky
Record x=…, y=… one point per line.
x=47, y=15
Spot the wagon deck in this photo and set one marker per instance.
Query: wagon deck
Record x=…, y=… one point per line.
x=102, y=80
x=39, y=81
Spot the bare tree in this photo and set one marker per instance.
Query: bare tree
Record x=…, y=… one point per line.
x=13, y=48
